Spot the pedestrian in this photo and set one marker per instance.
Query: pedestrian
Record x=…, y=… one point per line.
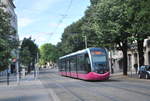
x=136, y=67
x=112, y=69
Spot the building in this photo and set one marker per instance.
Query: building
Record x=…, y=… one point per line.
x=116, y=60
x=133, y=57
x=9, y=7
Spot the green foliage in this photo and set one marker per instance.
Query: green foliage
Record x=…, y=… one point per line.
x=109, y=23
x=28, y=52
x=48, y=53
x=140, y=24
x=25, y=56
x=7, y=40
x=72, y=38
x=140, y=18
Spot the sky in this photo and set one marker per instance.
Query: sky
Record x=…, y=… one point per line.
x=45, y=20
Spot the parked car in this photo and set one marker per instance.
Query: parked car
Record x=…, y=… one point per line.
x=144, y=72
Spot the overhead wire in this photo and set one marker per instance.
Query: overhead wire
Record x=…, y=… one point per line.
x=62, y=17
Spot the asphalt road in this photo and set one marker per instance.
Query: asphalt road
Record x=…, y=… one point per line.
x=62, y=88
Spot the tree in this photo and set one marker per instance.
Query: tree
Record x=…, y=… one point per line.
x=48, y=53
x=89, y=28
x=7, y=40
x=109, y=23
x=28, y=53
x=108, y=20
x=140, y=22
x=72, y=38
x=25, y=56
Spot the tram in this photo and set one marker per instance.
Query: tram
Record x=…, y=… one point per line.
x=87, y=64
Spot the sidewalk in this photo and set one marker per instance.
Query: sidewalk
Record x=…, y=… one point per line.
x=130, y=76
x=28, y=89
x=3, y=79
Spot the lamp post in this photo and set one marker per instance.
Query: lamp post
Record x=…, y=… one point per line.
x=85, y=40
x=18, y=63
x=8, y=73
x=36, y=67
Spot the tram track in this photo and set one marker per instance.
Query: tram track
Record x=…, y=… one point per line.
x=73, y=86
x=93, y=92
x=125, y=87
x=96, y=92
x=68, y=91
x=122, y=86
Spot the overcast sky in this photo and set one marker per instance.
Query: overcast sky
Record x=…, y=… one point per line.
x=45, y=20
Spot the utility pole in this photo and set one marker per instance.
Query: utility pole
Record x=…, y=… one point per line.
x=85, y=40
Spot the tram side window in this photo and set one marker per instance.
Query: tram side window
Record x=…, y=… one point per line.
x=73, y=63
x=87, y=63
x=63, y=66
x=81, y=63
x=60, y=65
x=67, y=65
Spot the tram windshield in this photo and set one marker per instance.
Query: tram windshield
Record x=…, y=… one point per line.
x=99, y=58
x=99, y=61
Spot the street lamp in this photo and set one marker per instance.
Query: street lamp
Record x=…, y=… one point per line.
x=17, y=62
x=85, y=40
x=17, y=65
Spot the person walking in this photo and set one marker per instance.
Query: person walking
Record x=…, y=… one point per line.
x=136, y=67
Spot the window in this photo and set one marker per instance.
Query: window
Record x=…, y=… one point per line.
x=87, y=63
x=60, y=65
x=80, y=63
x=73, y=62
x=67, y=65
x=148, y=68
x=63, y=65
x=99, y=58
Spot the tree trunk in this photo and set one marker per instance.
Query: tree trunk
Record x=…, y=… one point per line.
x=125, y=62
x=140, y=51
x=124, y=49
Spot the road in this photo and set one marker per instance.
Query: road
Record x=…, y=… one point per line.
x=68, y=89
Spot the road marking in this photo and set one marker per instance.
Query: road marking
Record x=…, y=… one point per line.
x=54, y=96
x=52, y=93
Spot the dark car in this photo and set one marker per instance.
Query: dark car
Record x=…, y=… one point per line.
x=144, y=72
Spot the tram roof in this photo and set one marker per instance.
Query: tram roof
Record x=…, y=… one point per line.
x=79, y=52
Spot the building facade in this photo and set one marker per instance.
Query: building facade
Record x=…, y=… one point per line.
x=133, y=56
x=9, y=7
x=116, y=57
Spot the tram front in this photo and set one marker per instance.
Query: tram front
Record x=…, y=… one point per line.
x=100, y=64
